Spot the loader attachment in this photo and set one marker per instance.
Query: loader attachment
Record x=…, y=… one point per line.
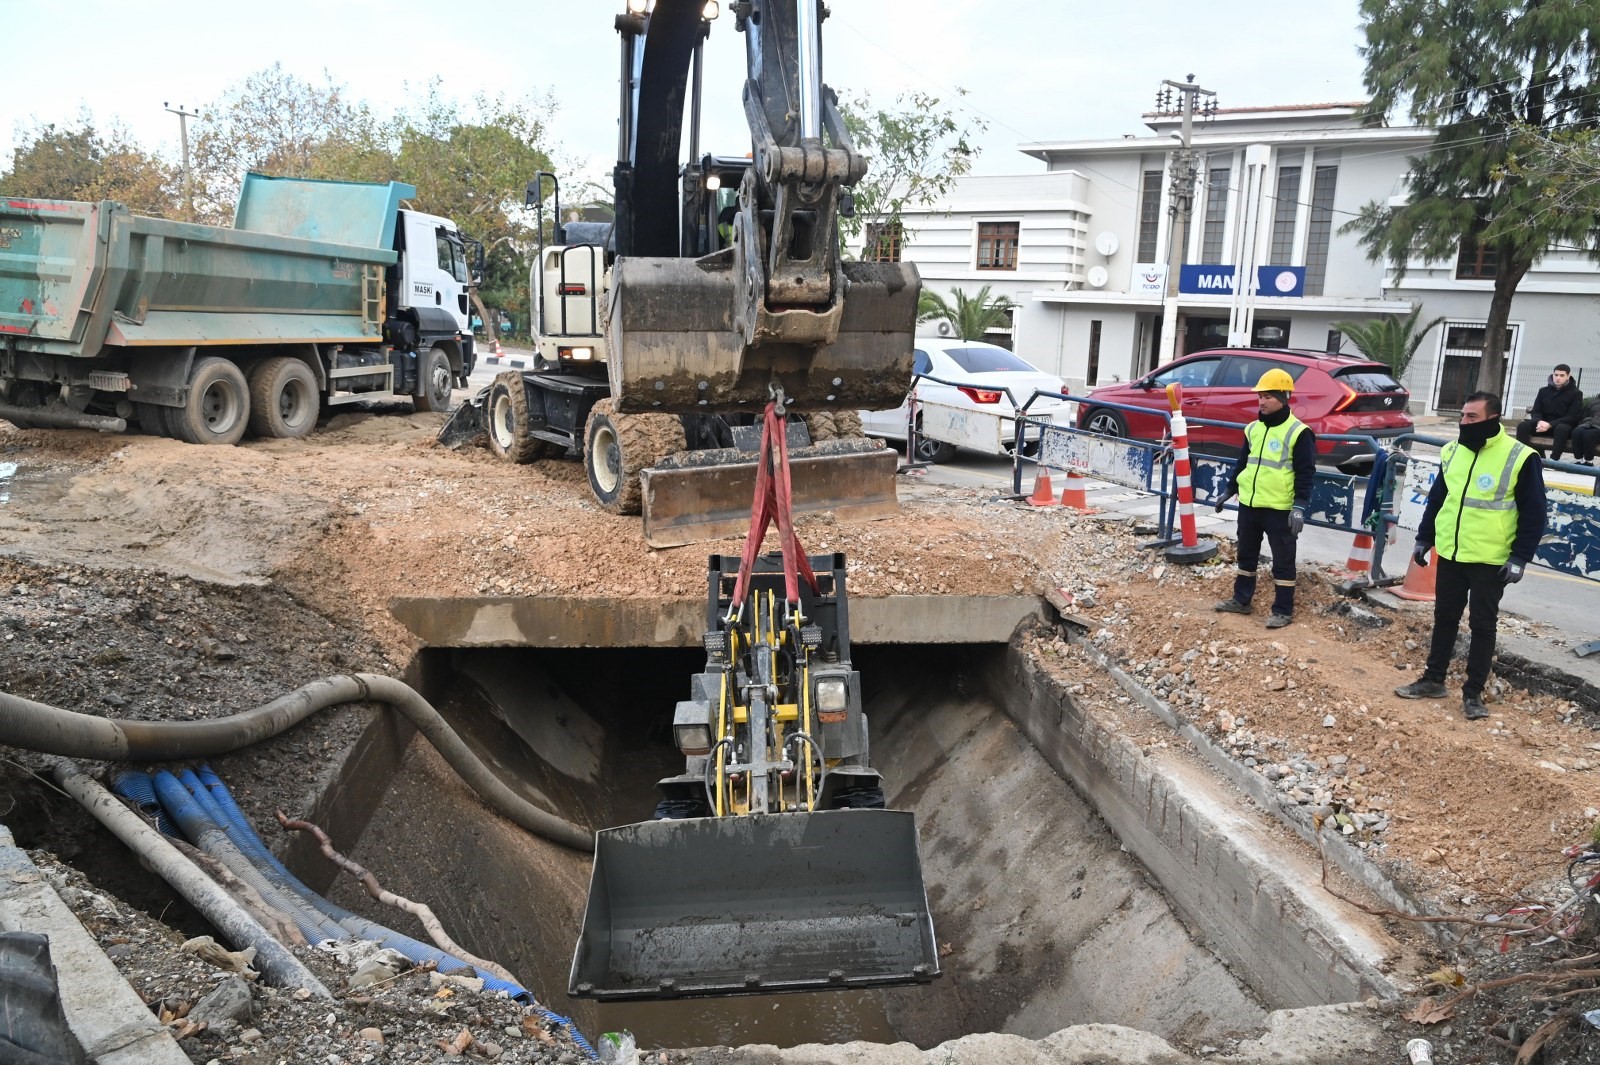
x=755, y=905
x=706, y=495
x=675, y=347
x=465, y=425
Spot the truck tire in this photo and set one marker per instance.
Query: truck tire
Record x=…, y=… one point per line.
x=218, y=408
x=505, y=415
x=617, y=446
x=434, y=381
x=33, y=1026
x=284, y=403
x=821, y=426
x=847, y=423
x=150, y=420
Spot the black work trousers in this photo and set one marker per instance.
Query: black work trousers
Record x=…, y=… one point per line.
x=1585, y=438
x=1455, y=585
x=1559, y=433
x=1254, y=523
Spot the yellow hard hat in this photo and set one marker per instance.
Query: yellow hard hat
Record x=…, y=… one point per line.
x=1275, y=380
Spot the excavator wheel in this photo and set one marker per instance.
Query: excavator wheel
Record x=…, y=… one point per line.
x=617, y=446
x=822, y=426
x=506, y=412
x=847, y=423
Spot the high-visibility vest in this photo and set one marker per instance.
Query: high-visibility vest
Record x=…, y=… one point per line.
x=1478, y=519
x=1267, y=480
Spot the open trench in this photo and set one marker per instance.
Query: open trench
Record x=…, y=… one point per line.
x=1044, y=918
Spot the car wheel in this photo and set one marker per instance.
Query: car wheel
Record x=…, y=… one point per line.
x=934, y=451
x=1106, y=422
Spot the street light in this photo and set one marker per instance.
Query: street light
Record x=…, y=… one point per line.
x=183, y=134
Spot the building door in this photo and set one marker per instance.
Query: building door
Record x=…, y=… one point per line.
x=1461, y=348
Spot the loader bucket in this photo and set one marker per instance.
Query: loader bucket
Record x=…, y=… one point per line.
x=704, y=500
x=465, y=425
x=673, y=347
x=755, y=905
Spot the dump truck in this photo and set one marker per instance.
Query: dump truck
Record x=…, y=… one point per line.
x=320, y=293
x=718, y=285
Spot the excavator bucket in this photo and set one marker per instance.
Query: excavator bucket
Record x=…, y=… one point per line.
x=708, y=496
x=674, y=348
x=754, y=905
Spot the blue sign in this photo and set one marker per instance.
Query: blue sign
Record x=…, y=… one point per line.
x=1218, y=280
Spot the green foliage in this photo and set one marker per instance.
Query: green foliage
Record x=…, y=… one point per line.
x=970, y=317
x=85, y=163
x=1495, y=77
x=915, y=151
x=1390, y=339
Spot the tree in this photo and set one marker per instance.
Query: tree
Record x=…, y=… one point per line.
x=1390, y=339
x=1493, y=76
x=84, y=163
x=915, y=150
x=971, y=317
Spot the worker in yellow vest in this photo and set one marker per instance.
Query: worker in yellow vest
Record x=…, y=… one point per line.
x=1272, y=478
x=1485, y=515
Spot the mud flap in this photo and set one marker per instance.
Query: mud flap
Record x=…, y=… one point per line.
x=466, y=424
x=700, y=501
x=755, y=905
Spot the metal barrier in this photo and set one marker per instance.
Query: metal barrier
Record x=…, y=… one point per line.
x=916, y=413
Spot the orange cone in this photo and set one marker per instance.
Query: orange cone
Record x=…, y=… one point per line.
x=1360, y=560
x=1418, y=585
x=1075, y=494
x=1043, y=494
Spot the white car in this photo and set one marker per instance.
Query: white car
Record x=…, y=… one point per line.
x=973, y=410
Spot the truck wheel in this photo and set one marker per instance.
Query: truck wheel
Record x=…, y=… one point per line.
x=218, y=408
x=506, y=414
x=847, y=423
x=821, y=426
x=617, y=446
x=435, y=380
x=283, y=398
x=149, y=419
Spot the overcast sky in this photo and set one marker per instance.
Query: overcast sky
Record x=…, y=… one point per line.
x=1034, y=69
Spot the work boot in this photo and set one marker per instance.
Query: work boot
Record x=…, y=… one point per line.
x=1421, y=689
x=1278, y=621
x=1472, y=707
x=1231, y=606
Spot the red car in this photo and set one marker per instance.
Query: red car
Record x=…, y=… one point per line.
x=1332, y=394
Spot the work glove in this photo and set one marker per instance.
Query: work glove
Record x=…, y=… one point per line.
x=1511, y=572
x=1222, y=501
x=1419, y=554
x=1297, y=522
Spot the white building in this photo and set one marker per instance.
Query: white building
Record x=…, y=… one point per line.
x=1081, y=248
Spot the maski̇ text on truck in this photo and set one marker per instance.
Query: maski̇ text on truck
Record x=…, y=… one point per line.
x=321, y=293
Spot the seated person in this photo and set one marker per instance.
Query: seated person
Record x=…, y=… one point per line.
x=1556, y=410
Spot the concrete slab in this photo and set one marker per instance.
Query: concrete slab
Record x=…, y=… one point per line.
x=109, y=1020
x=567, y=621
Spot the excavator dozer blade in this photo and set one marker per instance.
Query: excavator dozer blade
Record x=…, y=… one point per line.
x=674, y=348
x=755, y=905
x=465, y=425
x=706, y=499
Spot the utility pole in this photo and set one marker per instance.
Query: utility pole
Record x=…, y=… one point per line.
x=183, y=135
x=1182, y=202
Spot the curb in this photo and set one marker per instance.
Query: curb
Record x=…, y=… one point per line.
x=496, y=360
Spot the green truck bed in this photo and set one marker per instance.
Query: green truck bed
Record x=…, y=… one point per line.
x=304, y=263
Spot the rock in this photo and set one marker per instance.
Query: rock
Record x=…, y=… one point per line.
x=230, y=1001
x=1329, y=721
x=371, y=1035
x=251, y=1036
x=380, y=968
x=1274, y=684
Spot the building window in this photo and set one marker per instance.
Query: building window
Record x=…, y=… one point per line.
x=1283, y=216
x=1320, y=229
x=997, y=245
x=1149, y=216
x=1216, y=214
x=1092, y=374
x=1476, y=262
x=882, y=243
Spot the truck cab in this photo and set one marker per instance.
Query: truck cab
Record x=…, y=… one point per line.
x=428, y=289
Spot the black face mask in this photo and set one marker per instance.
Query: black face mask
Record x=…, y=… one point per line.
x=1476, y=434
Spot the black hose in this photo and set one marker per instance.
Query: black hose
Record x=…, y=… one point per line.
x=51, y=730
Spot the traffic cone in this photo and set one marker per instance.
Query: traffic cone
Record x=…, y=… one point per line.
x=497, y=350
x=1360, y=560
x=1418, y=585
x=1043, y=494
x=1074, y=495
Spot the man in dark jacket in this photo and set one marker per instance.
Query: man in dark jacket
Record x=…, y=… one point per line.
x=1556, y=410
x=1485, y=515
x=1272, y=478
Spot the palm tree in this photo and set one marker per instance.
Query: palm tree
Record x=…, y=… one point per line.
x=969, y=316
x=1391, y=340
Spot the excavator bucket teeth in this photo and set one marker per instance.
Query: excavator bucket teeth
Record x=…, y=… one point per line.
x=754, y=905
x=674, y=348
x=705, y=500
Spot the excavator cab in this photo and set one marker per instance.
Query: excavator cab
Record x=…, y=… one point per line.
x=771, y=864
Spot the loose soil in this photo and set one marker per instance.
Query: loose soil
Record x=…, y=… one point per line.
x=142, y=577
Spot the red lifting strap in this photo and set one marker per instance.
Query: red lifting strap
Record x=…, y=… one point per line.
x=774, y=501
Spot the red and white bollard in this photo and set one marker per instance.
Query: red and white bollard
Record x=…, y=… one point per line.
x=1192, y=549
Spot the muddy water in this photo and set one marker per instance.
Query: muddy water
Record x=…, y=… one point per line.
x=8, y=470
